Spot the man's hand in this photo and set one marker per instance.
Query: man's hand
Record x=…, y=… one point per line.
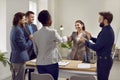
x=31, y=36
x=82, y=39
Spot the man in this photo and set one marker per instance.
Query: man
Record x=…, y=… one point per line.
x=19, y=46
x=29, y=29
x=103, y=45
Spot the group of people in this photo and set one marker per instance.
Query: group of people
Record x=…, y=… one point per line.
x=21, y=43
x=26, y=39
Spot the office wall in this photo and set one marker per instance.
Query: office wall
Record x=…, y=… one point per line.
x=3, y=25
x=2, y=33
x=68, y=11
x=8, y=9
x=14, y=6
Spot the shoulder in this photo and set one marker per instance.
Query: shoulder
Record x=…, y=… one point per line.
x=18, y=29
x=52, y=30
x=34, y=25
x=74, y=33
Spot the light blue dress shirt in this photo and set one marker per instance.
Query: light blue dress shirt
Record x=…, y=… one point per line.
x=30, y=28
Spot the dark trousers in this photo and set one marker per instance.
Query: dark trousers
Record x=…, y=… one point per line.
x=52, y=69
x=86, y=58
x=103, y=68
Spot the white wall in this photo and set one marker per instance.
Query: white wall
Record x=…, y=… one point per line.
x=8, y=8
x=3, y=25
x=3, y=34
x=14, y=6
x=68, y=11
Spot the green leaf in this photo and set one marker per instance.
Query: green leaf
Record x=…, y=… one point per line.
x=66, y=45
x=5, y=60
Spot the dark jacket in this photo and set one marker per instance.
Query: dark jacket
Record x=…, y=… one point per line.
x=26, y=30
x=19, y=45
x=104, y=42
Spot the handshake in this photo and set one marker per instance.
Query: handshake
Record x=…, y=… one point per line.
x=64, y=39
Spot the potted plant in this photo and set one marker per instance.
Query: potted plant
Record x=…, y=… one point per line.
x=4, y=60
x=67, y=45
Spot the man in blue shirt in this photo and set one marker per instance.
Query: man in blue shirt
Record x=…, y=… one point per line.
x=103, y=45
x=29, y=29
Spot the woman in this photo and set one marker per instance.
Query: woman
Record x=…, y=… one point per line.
x=19, y=47
x=79, y=50
x=45, y=46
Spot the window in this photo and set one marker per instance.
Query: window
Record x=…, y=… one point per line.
x=33, y=7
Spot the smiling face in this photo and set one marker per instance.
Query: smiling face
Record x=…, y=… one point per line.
x=30, y=18
x=78, y=26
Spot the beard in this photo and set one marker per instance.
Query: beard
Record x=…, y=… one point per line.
x=101, y=24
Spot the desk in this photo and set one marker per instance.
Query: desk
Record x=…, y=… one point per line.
x=70, y=69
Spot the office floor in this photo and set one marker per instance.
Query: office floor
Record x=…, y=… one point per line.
x=114, y=75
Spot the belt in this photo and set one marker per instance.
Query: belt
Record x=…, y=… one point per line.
x=104, y=57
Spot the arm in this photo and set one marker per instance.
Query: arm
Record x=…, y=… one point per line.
x=93, y=39
x=58, y=38
x=70, y=38
x=101, y=41
x=90, y=37
x=35, y=46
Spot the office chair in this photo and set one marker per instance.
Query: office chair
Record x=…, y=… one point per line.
x=82, y=78
x=37, y=76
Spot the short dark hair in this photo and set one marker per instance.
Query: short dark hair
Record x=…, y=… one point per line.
x=44, y=16
x=107, y=15
x=17, y=17
x=28, y=13
x=79, y=21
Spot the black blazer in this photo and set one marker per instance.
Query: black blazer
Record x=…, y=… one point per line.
x=27, y=31
x=31, y=52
